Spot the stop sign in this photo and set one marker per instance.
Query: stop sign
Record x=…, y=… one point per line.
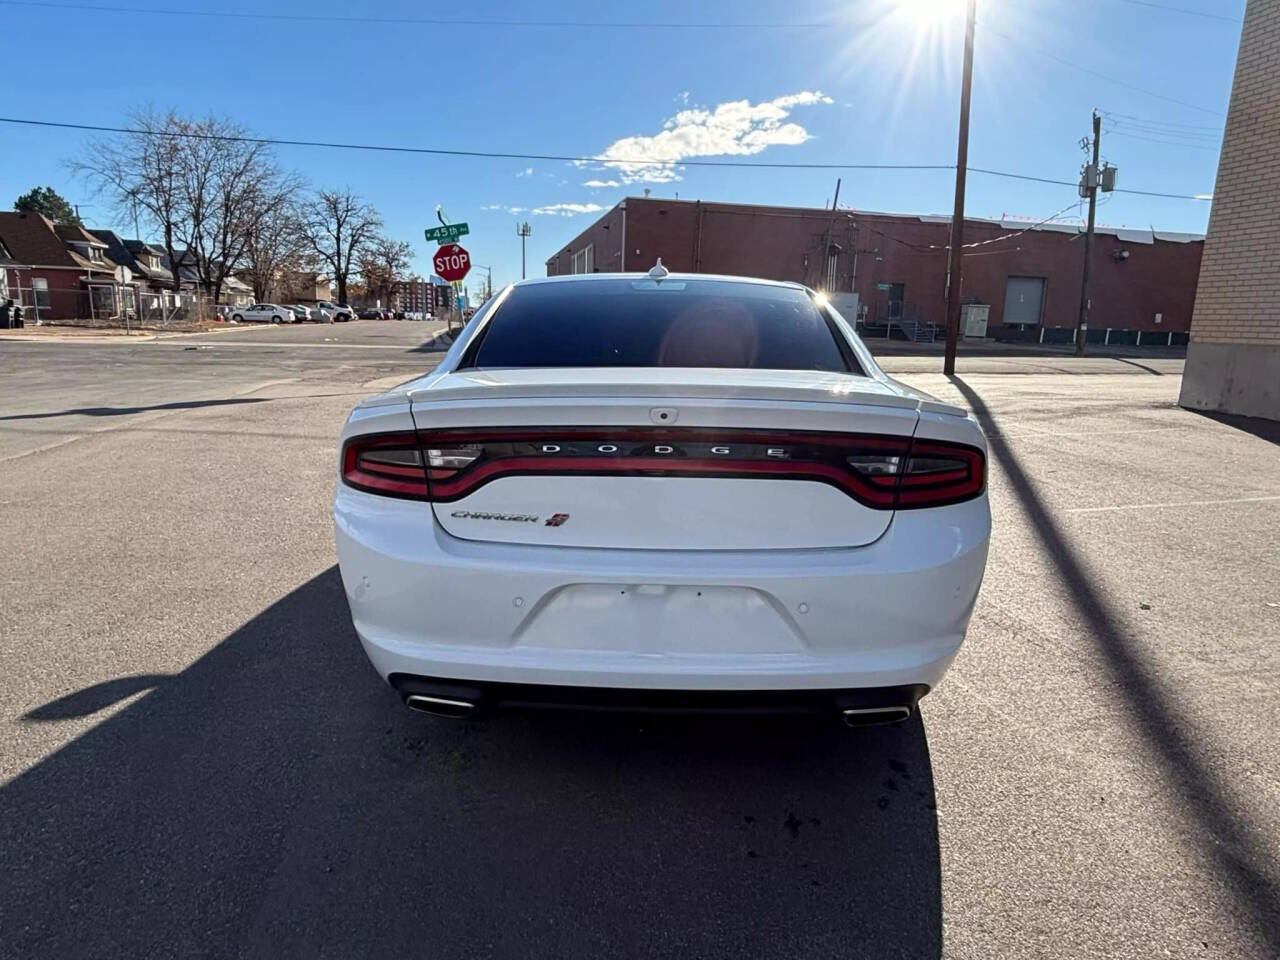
x=452, y=262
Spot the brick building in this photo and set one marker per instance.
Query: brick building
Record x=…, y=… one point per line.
x=60, y=272
x=1233, y=362
x=892, y=268
x=413, y=296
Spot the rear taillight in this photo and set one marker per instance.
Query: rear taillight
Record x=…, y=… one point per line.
x=386, y=463
x=879, y=471
x=938, y=473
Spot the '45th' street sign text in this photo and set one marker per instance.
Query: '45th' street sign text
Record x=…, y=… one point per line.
x=447, y=234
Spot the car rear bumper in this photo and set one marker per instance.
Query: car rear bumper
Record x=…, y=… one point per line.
x=462, y=700
x=889, y=614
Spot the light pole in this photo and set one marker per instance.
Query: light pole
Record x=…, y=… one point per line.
x=522, y=231
x=488, y=288
x=957, y=216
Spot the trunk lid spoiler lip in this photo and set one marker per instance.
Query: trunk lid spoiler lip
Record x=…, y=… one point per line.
x=685, y=384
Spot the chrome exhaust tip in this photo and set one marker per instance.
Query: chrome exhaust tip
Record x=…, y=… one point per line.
x=440, y=706
x=871, y=716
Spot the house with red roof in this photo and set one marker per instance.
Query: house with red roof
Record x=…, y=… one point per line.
x=59, y=271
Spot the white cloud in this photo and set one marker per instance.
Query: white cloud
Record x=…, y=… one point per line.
x=597, y=184
x=734, y=128
x=566, y=209
x=503, y=207
x=526, y=172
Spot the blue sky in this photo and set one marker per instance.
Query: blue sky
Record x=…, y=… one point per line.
x=863, y=81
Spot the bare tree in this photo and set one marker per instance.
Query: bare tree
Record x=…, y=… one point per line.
x=141, y=173
x=339, y=225
x=382, y=262
x=203, y=184
x=273, y=250
x=231, y=189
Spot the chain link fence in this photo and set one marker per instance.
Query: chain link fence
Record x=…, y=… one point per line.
x=110, y=306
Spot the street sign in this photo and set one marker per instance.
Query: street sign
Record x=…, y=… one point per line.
x=447, y=234
x=452, y=262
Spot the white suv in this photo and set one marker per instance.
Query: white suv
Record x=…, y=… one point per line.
x=340, y=314
x=661, y=492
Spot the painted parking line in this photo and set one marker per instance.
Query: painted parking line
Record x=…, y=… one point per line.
x=1158, y=506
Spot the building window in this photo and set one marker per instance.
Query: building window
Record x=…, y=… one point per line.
x=584, y=260
x=102, y=301
x=40, y=290
x=832, y=259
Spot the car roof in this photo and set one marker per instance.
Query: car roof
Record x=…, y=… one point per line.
x=643, y=275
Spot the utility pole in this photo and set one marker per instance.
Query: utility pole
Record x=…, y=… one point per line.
x=522, y=231
x=826, y=243
x=1090, y=183
x=957, y=216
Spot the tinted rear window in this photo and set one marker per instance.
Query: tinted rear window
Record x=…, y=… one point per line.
x=634, y=322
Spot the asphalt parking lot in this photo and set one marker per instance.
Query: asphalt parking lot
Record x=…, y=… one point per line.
x=196, y=759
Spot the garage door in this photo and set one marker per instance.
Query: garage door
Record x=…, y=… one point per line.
x=1023, y=299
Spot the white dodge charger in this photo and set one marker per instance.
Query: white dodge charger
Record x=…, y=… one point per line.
x=661, y=492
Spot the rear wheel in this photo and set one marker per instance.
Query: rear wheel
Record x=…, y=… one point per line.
x=276, y=319
x=237, y=318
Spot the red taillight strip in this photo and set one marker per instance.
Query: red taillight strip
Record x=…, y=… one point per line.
x=943, y=486
x=389, y=479
x=469, y=480
x=903, y=490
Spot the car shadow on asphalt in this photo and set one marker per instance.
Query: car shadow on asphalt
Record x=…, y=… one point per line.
x=129, y=411
x=275, y=799
x=1220, y=827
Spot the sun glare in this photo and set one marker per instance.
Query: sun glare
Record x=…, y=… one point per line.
x=931, y=13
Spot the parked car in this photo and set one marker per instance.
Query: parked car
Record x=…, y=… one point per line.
x=262, y=313
x=319, y=314
x=371, y=314
x=673, y=491
x=340, y=314
x=300, y=313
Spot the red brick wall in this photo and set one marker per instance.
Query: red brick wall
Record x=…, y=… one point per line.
x=67, y=297
x=786, y=244
x=606, y=237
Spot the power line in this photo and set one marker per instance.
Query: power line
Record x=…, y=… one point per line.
x=569, y=158
x=1149, y=132
x=1167, y=143
x=1034, y=226
x=1102, y=76
x=420, y=21
x=1144, y=126
x=1184, y=10
x=488, y=154
x=1163, y=123
x=465, y=22
x=1179, y=135
x=1073, y=184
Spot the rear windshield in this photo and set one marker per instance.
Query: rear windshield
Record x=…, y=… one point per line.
x=636, y=322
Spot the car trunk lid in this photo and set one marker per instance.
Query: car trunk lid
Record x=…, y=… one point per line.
x=662, y=459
